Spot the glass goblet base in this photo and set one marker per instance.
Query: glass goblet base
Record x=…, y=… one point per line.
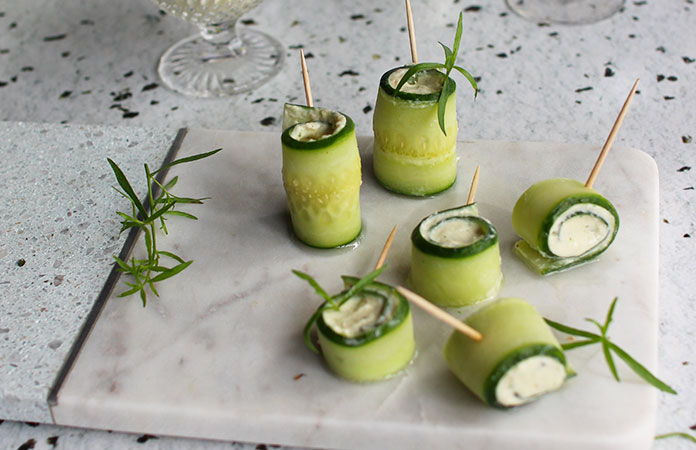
x=199, y=68
x=569, y=12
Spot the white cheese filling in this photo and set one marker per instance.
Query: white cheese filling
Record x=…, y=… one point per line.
x=356, y=316
x=528, y=379
x=455, y=233
x=579, y=229
x=428, y=82
x=314, y=131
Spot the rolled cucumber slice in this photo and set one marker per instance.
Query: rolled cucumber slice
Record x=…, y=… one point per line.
x=411, y=154
x=518, y=359
x=562, y=224
x=370, y=337
x=455, y=258
x=321, y=175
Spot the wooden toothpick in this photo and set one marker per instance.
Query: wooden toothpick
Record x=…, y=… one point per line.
x=474, y=186
x=440, y=314
x=610, y=140
x=411, y=33
x=305, y=79
x=385, y=250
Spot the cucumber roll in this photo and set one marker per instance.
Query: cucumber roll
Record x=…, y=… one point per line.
x=412, y=155
x=369, y=336
x=562, y=224
x=321, y=175
x=518, y=359
x=455, y=258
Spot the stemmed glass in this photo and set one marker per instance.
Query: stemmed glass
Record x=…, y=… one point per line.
x=221, y=60
x=565, y=11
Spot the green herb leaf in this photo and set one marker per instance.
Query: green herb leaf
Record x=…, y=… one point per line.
x=576, y=344
x=677, y=434
x=312, y=282
x=572, y=331
x=182, y=214
x=469, y=77
x=640, y=370
x=126, y=186
x=610, y=360
x=147, y=272
x=360, y=285
x=448, y=55
x=457, y=40
x=608, y=347
x=171, y=272
x=187, y=159
x=447, y=89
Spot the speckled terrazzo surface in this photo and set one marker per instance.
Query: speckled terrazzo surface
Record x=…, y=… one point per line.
x=59, y=232
x=93, y=62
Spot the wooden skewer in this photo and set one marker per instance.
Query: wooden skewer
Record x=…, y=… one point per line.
x=612, y=135
x=474, y=186
x=305, y=79
x=385, y=250
x=411, y=33
x=440, y=314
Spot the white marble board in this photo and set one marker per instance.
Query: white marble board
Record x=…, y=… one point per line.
x=220, y=354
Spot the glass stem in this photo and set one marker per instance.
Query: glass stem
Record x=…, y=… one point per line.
x=224, y=35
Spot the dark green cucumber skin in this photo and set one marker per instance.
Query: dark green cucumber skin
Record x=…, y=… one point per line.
x=543, y=238
x=489, y=239
x=510, y=360
x=402, y=310
x=294, y=144
x=410, y=96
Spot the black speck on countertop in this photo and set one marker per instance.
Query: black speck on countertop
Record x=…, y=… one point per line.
x=268, y=121
x=608, y=72
x=687, y=235
x=145, y=437
x=668, y=97
x=686, y=139
x=56, y=37
x=65, y=94
x=151, y=86
x=21, y=262
x=128, y=74
x=688, y=60
x=661, y=49
x=684, y=169
x=357, y=17
x=309, y=55
x=258, y=100
x=27, y=445
x=367, y=109
x=52, y=441
x=472, y=8
x=588, y=88
x=352, y=73
x=502, y=55
x=248, y=22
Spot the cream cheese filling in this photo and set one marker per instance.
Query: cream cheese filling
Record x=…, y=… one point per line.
x=317, y=130
x=355, y=316
x=428, y=82
x=455, y=233
x=528, y=379
x=579, y=229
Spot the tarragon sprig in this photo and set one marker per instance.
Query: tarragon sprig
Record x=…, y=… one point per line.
x=608, y=347
x=146, y=272
x=448, y=85
x=334, y=301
